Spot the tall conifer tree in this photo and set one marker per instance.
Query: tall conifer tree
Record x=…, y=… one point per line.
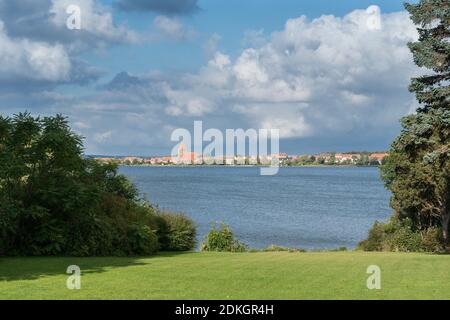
x=418, y=168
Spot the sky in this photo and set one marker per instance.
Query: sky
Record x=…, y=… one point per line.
x=330, y=75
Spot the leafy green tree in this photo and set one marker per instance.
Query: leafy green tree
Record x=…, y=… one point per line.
x=418, y=168
x=54, y=201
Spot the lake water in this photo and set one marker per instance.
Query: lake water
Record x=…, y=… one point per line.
x=305, y=207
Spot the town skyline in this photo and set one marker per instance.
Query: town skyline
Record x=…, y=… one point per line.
x=192, y=158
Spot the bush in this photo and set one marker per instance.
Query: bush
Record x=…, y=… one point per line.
x=143, y=240
x=276, y=248
x=432, y=240
x=375, y=240
x=404, y=239
x=400, y=236
x=340, y=249
x=222, y=240
x=176, y=232
x=55, y=201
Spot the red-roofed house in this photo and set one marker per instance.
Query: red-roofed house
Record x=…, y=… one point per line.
x=378, y=157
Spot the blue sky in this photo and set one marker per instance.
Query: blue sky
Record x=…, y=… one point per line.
x=138, y=69
x=230, y=19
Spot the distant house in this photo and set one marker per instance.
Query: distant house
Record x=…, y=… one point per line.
x=167, y=160
x=241, y=160
x=132, y=160
x=347, y=157
x=282, y=157
x=325, y=156
x=378, y=157
x=185, y=157
x=219, y=160
x=154, y=160
x=265, y=160
x=229, y=160
x=253, y=160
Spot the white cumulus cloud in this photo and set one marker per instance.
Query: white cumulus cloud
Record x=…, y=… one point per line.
x=26, y=59
x=172, y=28
x=96, y=20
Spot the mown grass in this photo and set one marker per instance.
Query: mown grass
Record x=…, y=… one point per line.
x=269, y=275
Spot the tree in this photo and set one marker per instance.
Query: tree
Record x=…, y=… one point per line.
x=417, y=170
x=54, y=201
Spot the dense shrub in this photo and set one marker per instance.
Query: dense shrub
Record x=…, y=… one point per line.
x=340, y=249
x=432, y=240
x=399, y=235
x=54, y=201
x=176, y=232
x=375, y=240
x=276, y=248
x=142, y=239
x=222, y=240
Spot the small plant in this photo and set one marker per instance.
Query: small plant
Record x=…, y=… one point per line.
x=176, y=232
x=222, y=240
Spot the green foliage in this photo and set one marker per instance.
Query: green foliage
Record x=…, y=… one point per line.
x=375, y=240
x=276, y=248
x=400, y=235
x=432, y=240
x=53, y=201
x=417, y=170
x=143, y=240
x=222, y=240
x=432, y=51
x=340, y=249
x=176, y=232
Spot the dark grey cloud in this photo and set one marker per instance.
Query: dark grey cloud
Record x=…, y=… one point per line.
x=169, y=7
x=44, y=20
x=124, y=80
x=27, y=18
x=31, y=31
x=81, y=74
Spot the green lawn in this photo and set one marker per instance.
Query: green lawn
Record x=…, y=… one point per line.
x=284, y=275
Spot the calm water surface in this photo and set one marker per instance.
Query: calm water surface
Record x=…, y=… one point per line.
x=306, y=207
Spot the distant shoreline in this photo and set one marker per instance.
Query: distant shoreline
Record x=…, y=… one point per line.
x=282, y=159
x=247, y=166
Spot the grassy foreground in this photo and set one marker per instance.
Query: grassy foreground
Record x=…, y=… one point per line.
x=283, y=275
